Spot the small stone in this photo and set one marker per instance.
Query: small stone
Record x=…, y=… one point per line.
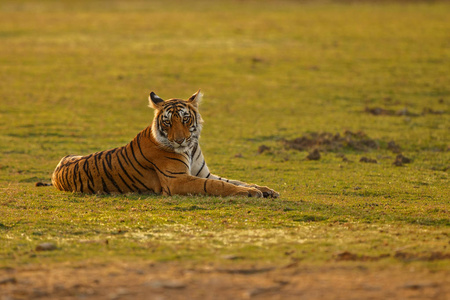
x=257, y=59
x=404, y=159
x=315, y=155
x=261, y=290
x=377, y=111
x=263, y=148
x=46, y=247
x=8, y=280
x=232, y=257
x=368, y=160
x=400, y=160
x=167, y=284
x=419, y=285
x=345, y=255
x=393, y=147
x=403, y=112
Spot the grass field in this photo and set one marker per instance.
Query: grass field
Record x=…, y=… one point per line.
x=75, y=77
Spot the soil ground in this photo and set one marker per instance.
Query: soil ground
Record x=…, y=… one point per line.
x=176, y=281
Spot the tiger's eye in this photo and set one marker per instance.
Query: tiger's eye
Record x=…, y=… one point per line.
x=185, y=119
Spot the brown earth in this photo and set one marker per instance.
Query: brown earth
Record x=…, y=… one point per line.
x=326, y=141
x=379, y=111
x=354, y=141
x=176, y=281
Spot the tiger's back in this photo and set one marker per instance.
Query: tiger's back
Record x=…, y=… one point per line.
x=112, y=171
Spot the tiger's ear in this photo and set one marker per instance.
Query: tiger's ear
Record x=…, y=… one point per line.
x=196, y=98
x=155, y=101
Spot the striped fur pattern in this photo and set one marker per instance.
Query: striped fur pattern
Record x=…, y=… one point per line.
x=164, y=158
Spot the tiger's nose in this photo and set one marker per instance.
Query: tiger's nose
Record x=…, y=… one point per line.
x=179, y=141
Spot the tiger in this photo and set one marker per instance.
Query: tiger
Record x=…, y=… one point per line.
x=164, y=158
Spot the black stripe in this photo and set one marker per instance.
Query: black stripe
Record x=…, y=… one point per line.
x=140, y=182
x=67, y=178
x=198, y=156
x=142, y=154
x=108, y=157
x=123, y=169
x=134, y=155
x=63, y=177
x=176, y=173
x=74, y=176
x=87, y=170
x=204, y=186
x=79, y=176
x=91, y=189
x=121, y=153
x=128, y=161
x=168, y=191
x=147, y=131
x=154, y=143
x=125, y=183
x=194, y=149
x=186, y=155
x=97, y=156
x=172, y=158
x=209, y=174
x=195, y=118
x=110, y=177
x=105, y=189
x=203, y=165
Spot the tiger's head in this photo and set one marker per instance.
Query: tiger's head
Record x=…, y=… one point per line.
x=177, y=123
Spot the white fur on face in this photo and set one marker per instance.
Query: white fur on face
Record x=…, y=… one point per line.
x=187, y=143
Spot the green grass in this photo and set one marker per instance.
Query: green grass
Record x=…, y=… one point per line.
x=75, y=79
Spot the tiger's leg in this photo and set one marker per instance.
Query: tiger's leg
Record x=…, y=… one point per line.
x=267, y=192
x=187, y=184
x=200, y=169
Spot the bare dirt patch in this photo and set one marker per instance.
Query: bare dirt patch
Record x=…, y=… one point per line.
x=400, y=160
x=315, y=143
x=176, y=281
x=424, y=256
x=399, y=255
x=348, y=256
x=314, y=155
x=326, y=141
x=368, y=160
x=378, y=111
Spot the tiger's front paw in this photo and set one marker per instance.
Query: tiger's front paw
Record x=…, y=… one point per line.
x=253, y=192
x=267, y=192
